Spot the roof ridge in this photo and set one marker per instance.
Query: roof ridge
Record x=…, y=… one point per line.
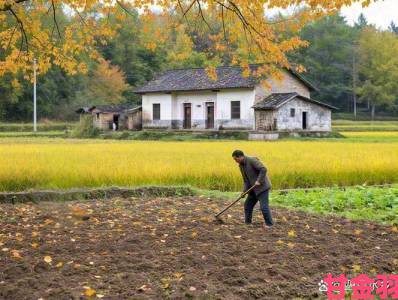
x=285, y=93
x=219, y=67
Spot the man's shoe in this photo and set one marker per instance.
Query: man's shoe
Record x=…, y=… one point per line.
x=268, y=227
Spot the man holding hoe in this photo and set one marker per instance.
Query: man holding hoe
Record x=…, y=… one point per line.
x=254, y=173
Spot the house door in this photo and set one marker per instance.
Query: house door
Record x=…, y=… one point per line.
x=209, y=115
x=187, y=115
x=304, y=120
x=116, y=121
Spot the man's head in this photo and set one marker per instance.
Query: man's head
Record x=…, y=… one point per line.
x=238, y=156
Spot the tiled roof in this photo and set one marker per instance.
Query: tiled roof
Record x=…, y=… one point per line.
x=197, y=79
x=137, y=108
x=112, y=108
x=83, y=110
x=276, y=100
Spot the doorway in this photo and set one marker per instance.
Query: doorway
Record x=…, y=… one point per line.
x=116, y=121
x=209, y=115
x=187, y=116
x=304, y=120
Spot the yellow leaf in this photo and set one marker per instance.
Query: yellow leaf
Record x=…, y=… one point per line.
x=48, y=259
x=35, y=245
x=356, y=268
x=290, y=245
x=144, y=288
x=194, y=234
x=89, y=292
x=394, y=229
x=291, y=233
x=60, y=264
x=78, y=211
x=279, y=242
x=165, y=283
x=48, y=221
x=358, y=231
x=16, y=254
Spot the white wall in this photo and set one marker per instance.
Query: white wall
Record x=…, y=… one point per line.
x=198, y=105
x=224, y=98
x=172, y=108
x=165, y=101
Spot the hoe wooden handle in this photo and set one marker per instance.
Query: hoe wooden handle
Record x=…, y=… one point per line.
x=240, y=197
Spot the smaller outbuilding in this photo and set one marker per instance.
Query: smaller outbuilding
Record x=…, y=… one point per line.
x=114, y=117
x=291, y=112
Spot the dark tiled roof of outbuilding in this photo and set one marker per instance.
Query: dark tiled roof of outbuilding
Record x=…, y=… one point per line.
x=276, y=100
x=134, y=109
x=83, y=110
x=112, y=108
x=197, y=79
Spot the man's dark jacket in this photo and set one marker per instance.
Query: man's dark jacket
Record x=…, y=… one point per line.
x=252, y=169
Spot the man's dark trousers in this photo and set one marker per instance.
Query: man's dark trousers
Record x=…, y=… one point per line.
x=251, y=201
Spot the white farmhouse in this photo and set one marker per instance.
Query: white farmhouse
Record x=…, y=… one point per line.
x=189, y=99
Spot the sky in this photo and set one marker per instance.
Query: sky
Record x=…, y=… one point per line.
x=380, y=13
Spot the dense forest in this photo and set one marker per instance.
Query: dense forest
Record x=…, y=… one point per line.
x=349, y=64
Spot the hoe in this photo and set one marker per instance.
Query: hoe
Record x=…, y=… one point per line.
x=217, y=216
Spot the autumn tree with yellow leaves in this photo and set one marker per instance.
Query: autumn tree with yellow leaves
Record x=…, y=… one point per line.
x=247, y=34
x=106, y=85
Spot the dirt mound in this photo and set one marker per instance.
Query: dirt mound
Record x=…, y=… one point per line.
x=95, y=193
x=172, y=248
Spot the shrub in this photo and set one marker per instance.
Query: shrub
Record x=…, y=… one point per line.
x=85, y=128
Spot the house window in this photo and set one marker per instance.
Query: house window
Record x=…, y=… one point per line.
x=292, y=112
x=97, y=116
x=156, y=111
x=235, y=109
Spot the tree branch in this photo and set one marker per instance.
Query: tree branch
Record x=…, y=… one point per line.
x=124, y=8
x=22, y=29
x=8, y=7
x=203, y=17
x=10, y=40
x=55, y=19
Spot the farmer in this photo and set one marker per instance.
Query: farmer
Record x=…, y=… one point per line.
x=254, y=173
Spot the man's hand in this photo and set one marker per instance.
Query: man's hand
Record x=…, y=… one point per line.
x=257, y=183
